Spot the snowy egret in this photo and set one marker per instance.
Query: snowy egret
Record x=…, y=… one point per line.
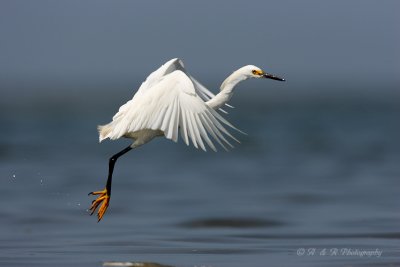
x=168, y=101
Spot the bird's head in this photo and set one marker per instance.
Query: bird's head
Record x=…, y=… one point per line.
x=251, y=71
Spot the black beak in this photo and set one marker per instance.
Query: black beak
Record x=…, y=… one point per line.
x=273, y=77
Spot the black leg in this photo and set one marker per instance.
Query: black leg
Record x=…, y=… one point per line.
x=103, y=199
x=111, y=164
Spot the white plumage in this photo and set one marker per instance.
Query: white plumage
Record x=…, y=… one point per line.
x=169, y=101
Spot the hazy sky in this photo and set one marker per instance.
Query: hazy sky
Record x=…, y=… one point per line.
x=61, y=44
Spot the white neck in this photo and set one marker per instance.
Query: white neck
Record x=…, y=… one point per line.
x=227, y=88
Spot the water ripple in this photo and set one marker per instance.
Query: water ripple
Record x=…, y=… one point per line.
x=230, y=223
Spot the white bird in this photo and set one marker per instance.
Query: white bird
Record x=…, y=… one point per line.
x=169, y=101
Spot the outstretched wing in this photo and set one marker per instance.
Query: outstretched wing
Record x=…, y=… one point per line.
x=172, y=105
x=169, y=67
x=154, y=77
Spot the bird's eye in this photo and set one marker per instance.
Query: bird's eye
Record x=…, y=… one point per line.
x=254, y=72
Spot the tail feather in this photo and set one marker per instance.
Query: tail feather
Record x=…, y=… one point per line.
x=104, y=131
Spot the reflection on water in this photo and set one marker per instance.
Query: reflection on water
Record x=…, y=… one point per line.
x=306, y=180
x=134, y=264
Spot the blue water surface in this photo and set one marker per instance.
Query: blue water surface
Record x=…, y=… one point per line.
x=312, y=184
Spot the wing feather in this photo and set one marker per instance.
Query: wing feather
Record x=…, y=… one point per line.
x=173, y=104
x=184, y=128
x=203, y=132
x=220, y=127
x=155, y=77
x=204, y=93
x=211, y=131
x=217, y=131
x=167, y=119
x=197, y=131
x=191, y=130
x=173, y=124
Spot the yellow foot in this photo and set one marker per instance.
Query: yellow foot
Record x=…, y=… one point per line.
x=103, y=199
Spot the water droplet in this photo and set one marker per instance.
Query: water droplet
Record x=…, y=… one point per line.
x=13, y=175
